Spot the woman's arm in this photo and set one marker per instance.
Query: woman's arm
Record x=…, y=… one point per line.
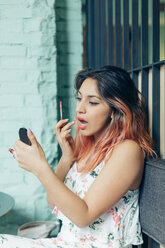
x=62, y=169
x=120, y=173
x=66, y=143
x=116, y=178
x=61, y=172
x=71, y=205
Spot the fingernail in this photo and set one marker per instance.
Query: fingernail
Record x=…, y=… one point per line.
x=66, y=119
x=30, y=131
x=11, y=150
x=69, y=130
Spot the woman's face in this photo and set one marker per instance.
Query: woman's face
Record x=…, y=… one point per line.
x=93, y=113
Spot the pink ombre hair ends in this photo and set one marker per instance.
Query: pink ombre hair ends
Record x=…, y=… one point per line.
x=128, y=116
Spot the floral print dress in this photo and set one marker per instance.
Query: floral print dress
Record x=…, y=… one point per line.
x=118, y=227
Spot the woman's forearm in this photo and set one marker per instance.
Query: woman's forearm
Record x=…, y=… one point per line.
x=71, y=205
x=61, y=172
x=62, y=169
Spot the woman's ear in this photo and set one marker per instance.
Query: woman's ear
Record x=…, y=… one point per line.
x=109, y=118
x=111, y=114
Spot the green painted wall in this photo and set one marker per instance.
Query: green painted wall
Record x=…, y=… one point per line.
x=69, y=42
x=40, y=51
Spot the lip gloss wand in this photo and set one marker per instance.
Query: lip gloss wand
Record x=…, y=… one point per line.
x=61, y=109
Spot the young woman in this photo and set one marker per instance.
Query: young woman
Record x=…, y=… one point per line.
x=95, y=188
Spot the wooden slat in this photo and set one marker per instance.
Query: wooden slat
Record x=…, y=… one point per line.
x=150, y=102
x=140, y=81
x=146, y=241
x=135, y=78
x=126, y=34
x=162, y=111
x=155, y=30
x=144, y=32
x=134, y=34
x=110, y=32
x=102, y=34
x=90, y=33
x=97, y=33
x=155, y=244
x=156, y=107
x=118, y=32
x=145, y=89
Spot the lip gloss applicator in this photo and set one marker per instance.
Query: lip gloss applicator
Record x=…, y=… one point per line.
x=61, y=109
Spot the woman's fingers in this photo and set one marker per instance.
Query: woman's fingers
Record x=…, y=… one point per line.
x=31, y=137
x=65, y=133
x=60, y=124
x=62, y=130
x=67, y=126
x=65, y=140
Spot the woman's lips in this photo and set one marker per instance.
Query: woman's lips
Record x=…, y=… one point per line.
x=82, y=124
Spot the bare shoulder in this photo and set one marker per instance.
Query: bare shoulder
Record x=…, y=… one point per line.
x=128, y=149
x=127, y=157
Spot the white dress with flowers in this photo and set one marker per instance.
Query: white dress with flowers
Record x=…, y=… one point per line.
x=117, y=228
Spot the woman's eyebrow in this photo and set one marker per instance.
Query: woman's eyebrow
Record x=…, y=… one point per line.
x=90, y=95
x=94, y=96
x=79, y=92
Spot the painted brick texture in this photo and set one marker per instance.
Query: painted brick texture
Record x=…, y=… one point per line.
x=40, y=53
x=28, y=94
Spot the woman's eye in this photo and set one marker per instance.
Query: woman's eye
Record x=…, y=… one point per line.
x=78, y=98
x=93, y=103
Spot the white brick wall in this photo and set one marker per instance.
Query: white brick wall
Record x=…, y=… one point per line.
x=27, y=98
x=29, y=83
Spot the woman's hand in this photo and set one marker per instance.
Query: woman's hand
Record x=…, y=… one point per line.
x=65, y=140
x=30, y=158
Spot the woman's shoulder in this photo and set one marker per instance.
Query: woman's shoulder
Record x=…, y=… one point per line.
x=129, y=147
x=127, y=151
x=127, y=159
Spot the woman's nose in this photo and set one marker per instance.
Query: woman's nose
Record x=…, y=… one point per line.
x=81, y=107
